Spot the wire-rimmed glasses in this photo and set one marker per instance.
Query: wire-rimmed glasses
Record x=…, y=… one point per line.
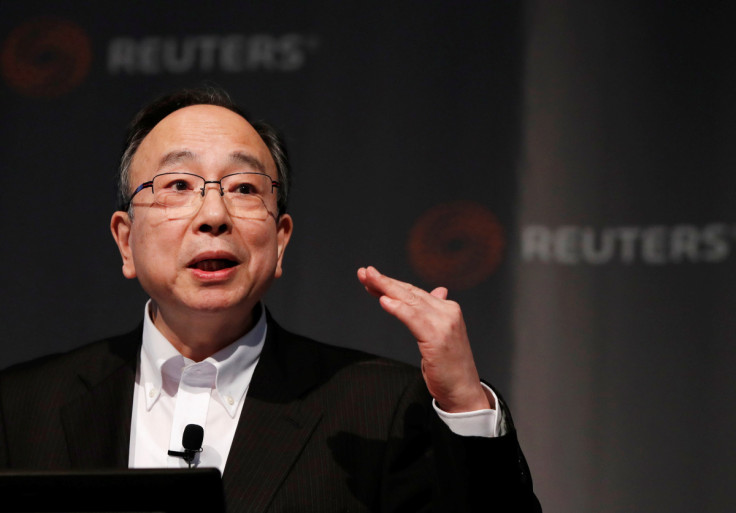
x=182, y=194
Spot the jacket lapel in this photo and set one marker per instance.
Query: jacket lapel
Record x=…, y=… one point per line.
x=97, y=424
x=274, y=425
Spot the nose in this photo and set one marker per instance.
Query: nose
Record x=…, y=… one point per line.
x=213, y=216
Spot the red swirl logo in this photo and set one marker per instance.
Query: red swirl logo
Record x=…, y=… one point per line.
x=457, y=245
x=46, y=58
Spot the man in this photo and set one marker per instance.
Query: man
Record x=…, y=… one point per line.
x=293, y=424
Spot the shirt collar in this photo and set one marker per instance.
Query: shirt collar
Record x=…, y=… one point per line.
x=234, y=364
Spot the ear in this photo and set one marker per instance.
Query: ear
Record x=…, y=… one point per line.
x=120, y=225
x=284, y=227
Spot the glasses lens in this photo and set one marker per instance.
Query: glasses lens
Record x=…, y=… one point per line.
x=247, y=194
x=180, y=193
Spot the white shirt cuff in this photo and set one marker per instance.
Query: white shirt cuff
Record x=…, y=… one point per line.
x=485, y=423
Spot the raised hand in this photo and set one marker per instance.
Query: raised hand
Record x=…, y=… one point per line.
x=438, y=326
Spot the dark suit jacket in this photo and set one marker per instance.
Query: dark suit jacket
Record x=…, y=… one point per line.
x=322, y=429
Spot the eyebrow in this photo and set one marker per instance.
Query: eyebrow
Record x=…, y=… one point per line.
x=238, y=157
x=243, y=158
x=176, y=157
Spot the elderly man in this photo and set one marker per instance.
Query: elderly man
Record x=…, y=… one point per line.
x=293, y=424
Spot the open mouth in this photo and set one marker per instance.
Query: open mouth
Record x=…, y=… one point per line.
x=214, y=264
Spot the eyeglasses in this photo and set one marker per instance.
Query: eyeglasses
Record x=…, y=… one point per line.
x=182, y=194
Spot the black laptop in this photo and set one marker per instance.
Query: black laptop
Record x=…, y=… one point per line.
x=107, y=491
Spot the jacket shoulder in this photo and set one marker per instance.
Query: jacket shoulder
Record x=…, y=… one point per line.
x=94, y=358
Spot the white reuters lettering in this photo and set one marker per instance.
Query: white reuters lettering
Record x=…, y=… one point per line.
x=234, y=53
x=652, y=245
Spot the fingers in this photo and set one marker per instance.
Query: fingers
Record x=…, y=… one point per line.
x=439, y=293
x=419, y=310
x=395, y=297
x=379, y=285
x=363, y=278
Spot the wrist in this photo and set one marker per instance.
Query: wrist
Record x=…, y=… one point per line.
x=474, y=399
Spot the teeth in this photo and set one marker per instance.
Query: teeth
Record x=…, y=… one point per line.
x=213, y=265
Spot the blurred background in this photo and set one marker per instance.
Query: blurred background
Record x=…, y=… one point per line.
x=565, y=168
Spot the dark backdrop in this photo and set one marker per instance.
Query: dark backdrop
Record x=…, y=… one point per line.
x=563, y=167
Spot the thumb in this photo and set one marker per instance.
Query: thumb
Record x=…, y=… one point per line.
x=439, y=293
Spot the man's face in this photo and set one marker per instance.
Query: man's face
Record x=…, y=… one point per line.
x=208, y=261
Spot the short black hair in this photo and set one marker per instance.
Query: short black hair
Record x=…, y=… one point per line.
x=153, y=113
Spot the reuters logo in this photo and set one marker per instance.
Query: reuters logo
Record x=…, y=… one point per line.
x=46, y=58
x=457, y=245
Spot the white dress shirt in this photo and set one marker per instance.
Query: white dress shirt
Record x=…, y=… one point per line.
x=172, y=391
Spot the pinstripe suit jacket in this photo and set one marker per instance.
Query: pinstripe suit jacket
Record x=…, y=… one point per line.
x=322, y=429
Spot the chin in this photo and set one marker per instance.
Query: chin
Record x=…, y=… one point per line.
x=217, y=303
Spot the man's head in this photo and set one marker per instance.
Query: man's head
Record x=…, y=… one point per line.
x=153, y=113
x=210, y=265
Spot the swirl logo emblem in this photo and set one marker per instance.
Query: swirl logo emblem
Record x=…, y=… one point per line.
x=46, y=58
x=457, y=245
